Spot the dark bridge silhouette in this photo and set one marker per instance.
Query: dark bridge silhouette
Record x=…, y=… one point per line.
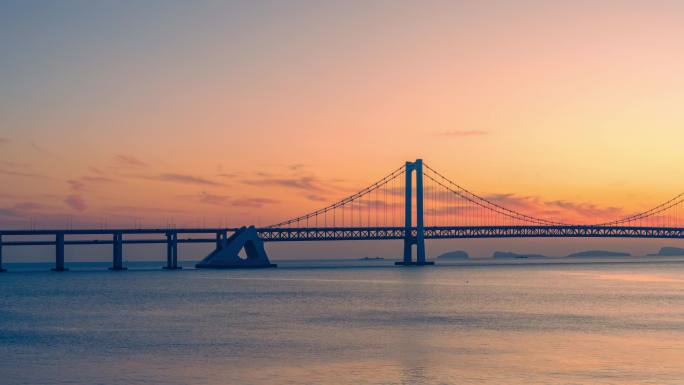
x=391, y=208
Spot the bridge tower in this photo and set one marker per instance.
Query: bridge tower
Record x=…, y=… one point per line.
x=410, y=237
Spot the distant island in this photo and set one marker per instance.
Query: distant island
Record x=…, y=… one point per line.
x=508, y=254
x=372, y=259
x=598, y=253
x=458, y=254
x=668, y=252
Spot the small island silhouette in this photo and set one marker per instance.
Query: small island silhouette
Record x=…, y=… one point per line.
x=508, y=254
x=597, y=253
x=461, y=255
x=456, y=254
x=668, y=251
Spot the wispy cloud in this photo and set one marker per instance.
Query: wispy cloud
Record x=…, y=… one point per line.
x=129, y=161
x=229, y=175
x=225, y=200
x=76, y=185
x=186, y=179
x=587, y=209
x=297, y=166
x=76, y=202
x=463, y=133
x=516, y=202
x=19, y=169
x=554, y=210
x=213, y=199
x=145, y=209
x=44, y=150
x=535, y=206
x=10, y=212
x=97, y=179
x=8, y=163
x=23, y=196
x=21, y=174
x=20, y=209
x=95, y=170
x=253, y=202
x=559, y=209
x=316, y=198
x=28, y=206
x=306, y=183
x=81, y=184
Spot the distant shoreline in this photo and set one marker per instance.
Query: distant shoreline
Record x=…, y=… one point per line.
x=152, y=266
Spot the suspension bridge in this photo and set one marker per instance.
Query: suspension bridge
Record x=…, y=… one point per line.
x=413, y=203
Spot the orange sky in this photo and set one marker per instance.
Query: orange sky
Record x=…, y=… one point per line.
x=250, y=112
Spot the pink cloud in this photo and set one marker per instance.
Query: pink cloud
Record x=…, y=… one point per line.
x=21, y=174
x=253, y=202
x=76, y=185
x=129, y=161
x=213, y=199
x=552, y=210
x=300, y=183
x=76, y=202
x=186, y=179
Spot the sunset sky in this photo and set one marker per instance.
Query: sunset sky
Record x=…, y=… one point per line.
x=210, y=113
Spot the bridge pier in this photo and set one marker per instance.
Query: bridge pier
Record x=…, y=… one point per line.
x=172, y=252
x=409, y=238
x=220, y=236
x=59, y=252
x=1, y=269
x=117, y=252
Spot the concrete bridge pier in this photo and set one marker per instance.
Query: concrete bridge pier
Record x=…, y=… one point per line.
x=59, y=252
x=172, y=252
x=117, y=252
x=1, y=269
x=220, y=237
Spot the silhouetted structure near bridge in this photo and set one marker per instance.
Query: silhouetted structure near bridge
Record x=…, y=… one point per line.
x=227, y=253
x=391, y=208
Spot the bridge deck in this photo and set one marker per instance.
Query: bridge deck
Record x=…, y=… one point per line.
x=344, y=234
x=446, y=232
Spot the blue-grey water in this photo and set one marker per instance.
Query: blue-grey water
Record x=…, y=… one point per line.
x=345, y=323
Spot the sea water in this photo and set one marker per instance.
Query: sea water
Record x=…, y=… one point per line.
x=336, y=322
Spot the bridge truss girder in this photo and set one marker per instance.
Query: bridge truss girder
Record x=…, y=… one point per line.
x=466, y=232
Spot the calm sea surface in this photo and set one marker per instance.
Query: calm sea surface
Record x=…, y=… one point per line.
x=345, y=323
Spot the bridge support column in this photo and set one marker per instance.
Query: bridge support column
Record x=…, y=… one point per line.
x=169, y=251
x=410, y=238
x=420, y=230
x=1, y=269
x=220, y=236
x=172, y=252
x=408, y=215
x=117, y=252
x=59, y=252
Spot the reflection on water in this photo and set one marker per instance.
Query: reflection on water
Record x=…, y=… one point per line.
x=631, y=277
x=560, y=324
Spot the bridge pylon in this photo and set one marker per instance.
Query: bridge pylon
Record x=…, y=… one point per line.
x=412, y=237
